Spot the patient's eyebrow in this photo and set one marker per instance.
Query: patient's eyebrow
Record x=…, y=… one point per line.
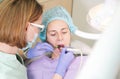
x=56, y=30
x=52, y=31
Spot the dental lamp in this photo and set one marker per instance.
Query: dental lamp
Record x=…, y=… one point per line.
x=99, y=17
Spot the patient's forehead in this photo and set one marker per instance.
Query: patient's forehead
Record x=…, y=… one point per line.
x=57, y=24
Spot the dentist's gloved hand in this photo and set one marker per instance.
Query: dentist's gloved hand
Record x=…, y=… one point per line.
x=39, y=49
x=65, y=60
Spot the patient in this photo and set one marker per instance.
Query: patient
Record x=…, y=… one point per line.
x=50, y=57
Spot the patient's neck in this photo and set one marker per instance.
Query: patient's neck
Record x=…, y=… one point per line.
x=8, y=49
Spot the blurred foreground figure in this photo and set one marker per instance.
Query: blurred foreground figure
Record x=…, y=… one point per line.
x=104, y=60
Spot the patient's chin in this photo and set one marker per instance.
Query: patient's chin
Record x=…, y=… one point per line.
x=56, y=53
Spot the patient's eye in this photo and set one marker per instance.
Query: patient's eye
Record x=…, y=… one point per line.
x=53, y=33
x=64, y=30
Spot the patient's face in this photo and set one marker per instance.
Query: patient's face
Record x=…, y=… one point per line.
x=58, y=34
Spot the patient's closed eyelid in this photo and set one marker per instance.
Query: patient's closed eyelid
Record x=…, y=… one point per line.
x=65, y=30
x=52, y=33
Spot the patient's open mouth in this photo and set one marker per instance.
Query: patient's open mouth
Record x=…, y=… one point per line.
x=60, y=46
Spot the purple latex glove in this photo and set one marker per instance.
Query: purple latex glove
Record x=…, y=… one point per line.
x=65, y=60
x=39, y=49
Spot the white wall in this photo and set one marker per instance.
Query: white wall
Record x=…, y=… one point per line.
x=51, y=3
